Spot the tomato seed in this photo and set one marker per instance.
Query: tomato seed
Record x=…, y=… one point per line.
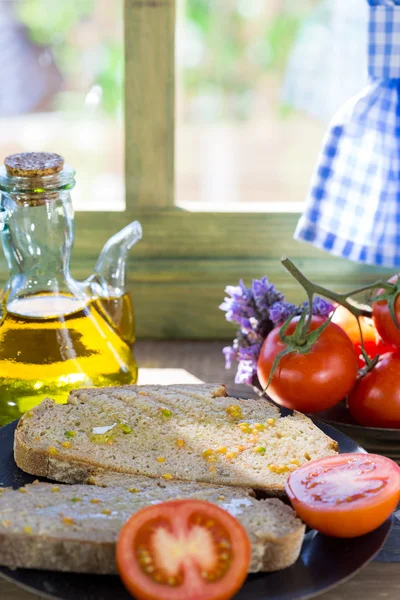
x=224, y=556
x=210, y=524
x=149, y=569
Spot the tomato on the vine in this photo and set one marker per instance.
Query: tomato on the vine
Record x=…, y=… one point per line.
x=375, y=399
x=313, y=381
x=183, y=549
x=346, y=495
x=373, y=344
x=384, y=323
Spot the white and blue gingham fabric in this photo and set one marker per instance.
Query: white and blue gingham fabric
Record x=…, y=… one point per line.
x=353, y=206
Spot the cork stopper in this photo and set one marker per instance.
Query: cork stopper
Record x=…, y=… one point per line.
x=34, y=164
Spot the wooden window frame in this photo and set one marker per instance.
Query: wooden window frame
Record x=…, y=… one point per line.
x=178, y=272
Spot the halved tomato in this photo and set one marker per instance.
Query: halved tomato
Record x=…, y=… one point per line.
x=345, y=495
x=183, y=549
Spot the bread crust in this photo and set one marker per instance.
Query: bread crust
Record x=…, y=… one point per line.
x=36, y=537
x=53, y=554
x=81, y=556
x=78, y=555
x=283, y=553
x=69, y=468
x=37, y=462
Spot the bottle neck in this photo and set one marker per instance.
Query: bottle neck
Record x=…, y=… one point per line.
x=37, y=241
x=37, y=189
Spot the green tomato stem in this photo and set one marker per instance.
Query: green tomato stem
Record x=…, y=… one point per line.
x=312, y=288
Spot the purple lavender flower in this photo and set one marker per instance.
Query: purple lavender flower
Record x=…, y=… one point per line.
x=257, y=310
x=249, y=328
x=230, y=354
x=265, y=294
x=239, y=307
x=320, y=307
x=237, y=292
x=280, y=311
x=250, y=353
x=246, y=372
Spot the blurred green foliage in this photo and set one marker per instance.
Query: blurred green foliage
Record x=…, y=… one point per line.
x=281, y=34
x=232, y=31
x=53, y=23
x=51, y=20
x=236, y=50
x=239, y=48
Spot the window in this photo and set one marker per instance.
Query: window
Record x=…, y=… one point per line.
x=187, y=257
x=257, y=83
x=195, y=240
x=62, y=90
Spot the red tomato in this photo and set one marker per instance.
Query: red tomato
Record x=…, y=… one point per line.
x=345, y=495
x=373, y=343
x=375, y=399
x=383, y=320
x=314, y=381
x=183, y=549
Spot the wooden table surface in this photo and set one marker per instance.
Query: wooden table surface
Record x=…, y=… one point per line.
x=204, y=361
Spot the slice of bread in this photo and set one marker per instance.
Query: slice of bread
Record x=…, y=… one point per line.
x=192, y=433
x=75, y=527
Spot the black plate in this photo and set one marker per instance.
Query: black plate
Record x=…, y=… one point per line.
x=378, y=440
x=324, y=562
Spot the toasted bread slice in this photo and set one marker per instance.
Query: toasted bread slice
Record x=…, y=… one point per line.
x=191, y=433
x=75, y=527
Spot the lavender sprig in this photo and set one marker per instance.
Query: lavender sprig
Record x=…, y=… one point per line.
x=239, y=307
x=257, y=310
x=320, y=307
x=279, y=312
x=246, y=372
x=265, y=294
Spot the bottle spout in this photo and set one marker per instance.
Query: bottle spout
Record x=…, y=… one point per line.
x=110, y=268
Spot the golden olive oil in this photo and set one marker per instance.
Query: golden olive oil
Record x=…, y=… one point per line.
x=74, y=345
x=119, y=311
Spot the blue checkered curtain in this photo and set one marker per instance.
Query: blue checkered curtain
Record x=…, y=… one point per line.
x=353, y=206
